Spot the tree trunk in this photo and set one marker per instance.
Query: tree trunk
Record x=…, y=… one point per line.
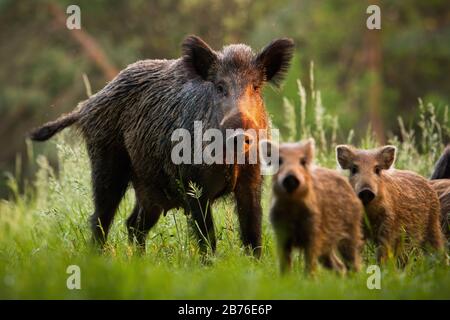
x=373, y=57
x=87, y=42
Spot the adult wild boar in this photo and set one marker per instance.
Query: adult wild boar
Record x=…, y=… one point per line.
x=127, y=127
x=440, y=181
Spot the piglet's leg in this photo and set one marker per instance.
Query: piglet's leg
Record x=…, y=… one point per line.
x=284, y=255
x=332, y=261
x=312, y=251
x=384, y=242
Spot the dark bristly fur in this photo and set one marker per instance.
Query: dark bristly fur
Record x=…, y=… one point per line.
x=280, y=59
x=440, y=181
x=48, y=130
x=442, y=167
x=128, y=125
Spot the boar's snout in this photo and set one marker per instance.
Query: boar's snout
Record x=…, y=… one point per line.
x=240, y=139
x=232, y=122
x=366, y=196
x=290, y=183
x=238, y=120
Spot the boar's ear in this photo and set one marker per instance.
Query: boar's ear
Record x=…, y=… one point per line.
x=386, y=156
x=275, y=59
x=198, y=56
x=344, y=156
x=268, y=151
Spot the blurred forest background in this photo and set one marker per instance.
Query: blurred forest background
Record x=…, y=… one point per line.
x=366, y=77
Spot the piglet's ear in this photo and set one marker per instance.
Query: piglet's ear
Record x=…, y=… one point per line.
x=344, y=156
x=275, y=59
x=386, y=156
x=198, y=57
x=310, y=149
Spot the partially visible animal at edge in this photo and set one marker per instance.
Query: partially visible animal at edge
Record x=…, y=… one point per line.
x=127, y=127
x=314, y=209
x=400, y=205
x=440, y=181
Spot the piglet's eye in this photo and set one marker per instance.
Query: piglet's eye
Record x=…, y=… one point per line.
x=256, y=87
x=303, y=162
x=354, y=170
x=280, y=161
x=377, y=170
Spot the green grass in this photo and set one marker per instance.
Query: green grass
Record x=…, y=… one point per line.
x=45, y=229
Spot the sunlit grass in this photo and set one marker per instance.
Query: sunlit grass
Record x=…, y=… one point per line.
x=45, y=230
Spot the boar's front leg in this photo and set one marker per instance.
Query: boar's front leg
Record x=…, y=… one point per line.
x=248, y=203
x=145, y=214
x=203, y=224
x=140, y=222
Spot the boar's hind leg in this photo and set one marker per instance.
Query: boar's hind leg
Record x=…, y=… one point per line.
x=110, y=177
x=248, y=203
x=203, y=224
x=140, y=222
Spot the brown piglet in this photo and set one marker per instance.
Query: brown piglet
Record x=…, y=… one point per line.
x=314, y=209
x=401, y=206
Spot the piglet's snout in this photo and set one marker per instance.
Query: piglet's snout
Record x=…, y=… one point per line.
x=290, y=183
x=366, y=196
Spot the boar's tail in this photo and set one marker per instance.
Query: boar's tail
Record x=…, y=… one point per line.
x=51, y=128
x=442, y=167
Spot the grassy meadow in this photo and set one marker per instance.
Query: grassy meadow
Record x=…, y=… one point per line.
x=44, y=229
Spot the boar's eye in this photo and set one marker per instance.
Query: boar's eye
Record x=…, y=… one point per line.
x=221, y=89
x=354, y=170
x=303, y=162
x=377, y=170
x=280, y=161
